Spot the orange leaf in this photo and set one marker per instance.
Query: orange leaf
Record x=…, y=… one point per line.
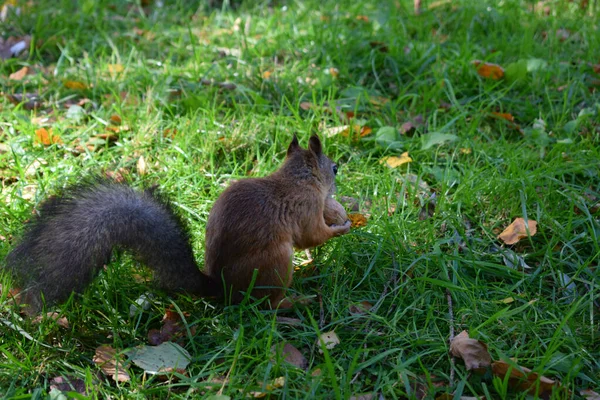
x=334, y=72
x=488, y=70
x=115, y=119
x=75, y=85
x=45, y=137
x=267, y=74
x=19, y=75
x=506, y=116
x=517, y=231
x=362, y=18
x=357, y=220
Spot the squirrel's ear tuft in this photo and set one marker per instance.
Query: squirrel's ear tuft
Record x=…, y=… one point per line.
x=294, y=145
x=315, y=145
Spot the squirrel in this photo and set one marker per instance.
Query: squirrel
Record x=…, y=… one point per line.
x=253, y=225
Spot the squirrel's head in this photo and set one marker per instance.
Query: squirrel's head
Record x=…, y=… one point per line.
x=311, y=163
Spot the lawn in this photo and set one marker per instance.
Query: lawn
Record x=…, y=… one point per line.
x=446, y=126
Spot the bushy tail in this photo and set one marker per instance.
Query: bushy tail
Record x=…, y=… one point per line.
x=64, y=248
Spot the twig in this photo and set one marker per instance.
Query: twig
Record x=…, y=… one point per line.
x=451, y=314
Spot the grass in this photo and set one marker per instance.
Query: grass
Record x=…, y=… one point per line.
x=390, y=67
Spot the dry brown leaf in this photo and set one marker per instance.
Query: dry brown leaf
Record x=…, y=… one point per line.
x=30, y=101
x=362, y=18
x=506, y=116
x=589, y=394
x=46, y=137
x=473, y=352
x=329, y=340
x=360, y=308
x=523, y=378
x=75, y=85
x=290, y=354
x=488, y=70
x=60, y=321
x=517, y=231
x=19, y=75
x=69, y=384
x=395, y=162
x=110, y=363
x=334, y=72
x=357, y=220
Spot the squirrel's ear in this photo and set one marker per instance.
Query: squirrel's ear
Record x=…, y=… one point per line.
x=315, y=145
x=294, y=145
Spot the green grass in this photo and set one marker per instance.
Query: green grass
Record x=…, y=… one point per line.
x=402, y=264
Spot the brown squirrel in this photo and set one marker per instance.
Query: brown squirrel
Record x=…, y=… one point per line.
x=254, y=225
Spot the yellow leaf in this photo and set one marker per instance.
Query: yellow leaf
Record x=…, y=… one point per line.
x=395, y=162
x=19, y=75
x=507, y=300
x=517, y=231
x=75, y=85
x=488, y=70
x=115, y=68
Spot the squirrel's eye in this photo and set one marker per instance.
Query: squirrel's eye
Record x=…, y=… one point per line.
x=334, y=169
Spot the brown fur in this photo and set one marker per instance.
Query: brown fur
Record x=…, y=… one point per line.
x=256, y=223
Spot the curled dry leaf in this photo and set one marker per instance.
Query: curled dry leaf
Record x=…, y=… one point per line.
x=290, y=354
x=329, y=340
x=111, y=364
x=357, y=220
x=518, y=230
x=473, y=352
x=488, y=70
x=523, y=378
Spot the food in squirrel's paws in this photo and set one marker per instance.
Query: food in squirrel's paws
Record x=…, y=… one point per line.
x=334, y=213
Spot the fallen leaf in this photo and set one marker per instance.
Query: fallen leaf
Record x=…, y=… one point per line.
x=523, y=378
x=19, y=75
x=334, y=72
x=382, y=47
x=589, y=394
x=75, y=85
x=142, y=168
x=115, y=119
x=173, y=328
x=30, y=101
x=517, y=231
x=360, y=308
x=114, y=69
x=506, y=116
x=164, y=358
x=111, y=364
x=46, y=137
x=60, y=321
x=267, y=74
x=395, y=162
x=488, y=70
x=357, y=220
x=290, y=354
x=68, y=384
x=329, y=340
x=473, y=352
x=362, y=18
x=437, y=138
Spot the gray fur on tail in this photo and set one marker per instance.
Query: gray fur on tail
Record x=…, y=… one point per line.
x=75, y=233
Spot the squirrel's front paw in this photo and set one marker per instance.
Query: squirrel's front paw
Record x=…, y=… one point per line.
x=342, y=229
